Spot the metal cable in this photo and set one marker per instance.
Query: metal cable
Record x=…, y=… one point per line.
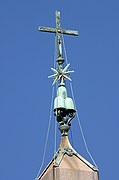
x=55, y=53
x=55, y=133
x=72, y=143
x=82, y=133
x=65, y=53
x=49, y=123
x=79, y=122
x=46, y=141
x=55, y=142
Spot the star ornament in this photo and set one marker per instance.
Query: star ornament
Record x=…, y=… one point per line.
x=60, y=75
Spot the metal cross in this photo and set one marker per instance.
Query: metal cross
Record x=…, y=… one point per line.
x=59, y=31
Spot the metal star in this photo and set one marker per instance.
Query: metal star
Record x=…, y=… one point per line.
x=60, y=74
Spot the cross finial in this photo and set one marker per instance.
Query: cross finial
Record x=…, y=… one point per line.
x=63, y=105
x=58, y=30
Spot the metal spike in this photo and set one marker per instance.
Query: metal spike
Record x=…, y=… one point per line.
x=54, y=70
x=52, y=76
x=66, y=67
x=55, y=80
x=67, y=77
x=69, y=72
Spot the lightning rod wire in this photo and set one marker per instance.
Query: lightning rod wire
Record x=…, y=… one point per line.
x=49, y=123
x=79, y=122
x=55, y=132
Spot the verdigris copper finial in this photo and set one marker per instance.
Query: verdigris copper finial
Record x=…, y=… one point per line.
x=63, y=105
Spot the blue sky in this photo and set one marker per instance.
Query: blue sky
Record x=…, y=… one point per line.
x=26, y=57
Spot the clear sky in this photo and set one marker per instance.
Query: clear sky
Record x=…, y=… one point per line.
x=26, y=57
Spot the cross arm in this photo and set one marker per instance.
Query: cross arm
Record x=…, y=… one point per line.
x=53, y=30
x=69, y=32
x=47, y=29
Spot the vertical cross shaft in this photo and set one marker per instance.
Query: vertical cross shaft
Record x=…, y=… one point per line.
x=58, y=34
